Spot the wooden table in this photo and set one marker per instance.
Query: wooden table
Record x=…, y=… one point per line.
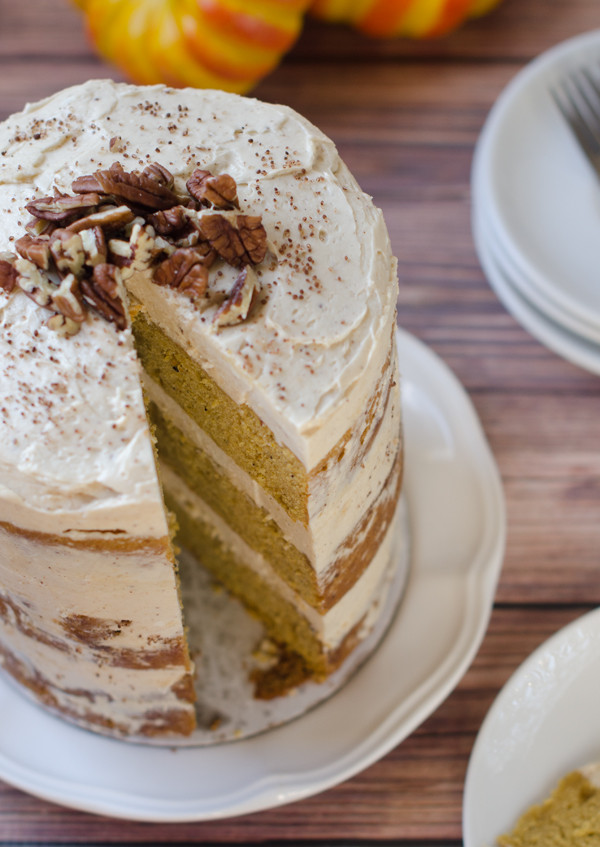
x=405, y=117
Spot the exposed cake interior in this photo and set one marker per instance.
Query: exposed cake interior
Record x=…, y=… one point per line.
x=264, y=381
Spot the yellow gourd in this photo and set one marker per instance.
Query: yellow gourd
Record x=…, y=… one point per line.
x=232, y=44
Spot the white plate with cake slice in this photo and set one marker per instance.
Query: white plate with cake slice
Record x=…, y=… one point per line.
x=542, y=725
x=457, y=534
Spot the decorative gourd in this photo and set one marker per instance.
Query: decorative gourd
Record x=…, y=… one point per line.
x=411, y=18
x=231, y=44
x=227, y=44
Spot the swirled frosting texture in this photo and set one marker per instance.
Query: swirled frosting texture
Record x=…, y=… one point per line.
x=306, y=359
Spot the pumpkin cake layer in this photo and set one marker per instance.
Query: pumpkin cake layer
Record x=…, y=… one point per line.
x=280, y=434
x=320, y=562
x=317, y=637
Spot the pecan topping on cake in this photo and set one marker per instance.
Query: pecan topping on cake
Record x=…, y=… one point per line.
x=240, y=299
x=67, y=251
x=170, y=221
x=238, y=239
x=36, y=250
x=137, y=190
x=67, y=300
x=62, y=325
x=109, y=217
x=159, y=174
x=184, y=271
x=62, y=207
x=220, y=191
x=34, y=282
x=94, y=246
x=80, y=248
x=8, y=274
x=103, y=293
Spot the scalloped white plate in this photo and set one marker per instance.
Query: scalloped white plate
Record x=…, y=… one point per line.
x=542, y=725
x=457, y=531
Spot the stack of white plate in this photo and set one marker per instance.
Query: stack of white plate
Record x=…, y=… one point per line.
x=536, y=209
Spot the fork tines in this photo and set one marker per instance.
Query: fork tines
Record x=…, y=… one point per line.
x=577, y=95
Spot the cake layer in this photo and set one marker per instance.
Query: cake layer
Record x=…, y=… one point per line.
x=340, y=490
x=250, y=577
x=236, y=429
x=262, y=533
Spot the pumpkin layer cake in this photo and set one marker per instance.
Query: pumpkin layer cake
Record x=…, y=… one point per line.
x=197, y=313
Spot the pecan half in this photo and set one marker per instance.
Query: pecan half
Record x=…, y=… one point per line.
x=67, y=250
x=67, y=299
x=8, y=273
x=254, y=237
x=110, y=217
x=37, y=250
x=38, y=228
x=240, y=299
x=184, y=271
x=159, y=174
x=219, y=191
x=240, y=240
x=103, y=293
x=134, y=189
x=63, y=207
x=34, y=283
x=170, y=221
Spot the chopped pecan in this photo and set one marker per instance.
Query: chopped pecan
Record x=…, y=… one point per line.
x=38, y=228
x=37, y=250
x=239, y=239
x=67, y=250
x=137, y=254
x=62, y=325
x=109, y=217
x=170, y=221
x=34, y=283
x=67, y=300
x=104, y=293
x=134, y=189
x=8, y=272
x=219, y=191
x=207, y=253
x=94, y=246
x=240, y=299
x=159, y=174
x=184, y=271
x=63, y=207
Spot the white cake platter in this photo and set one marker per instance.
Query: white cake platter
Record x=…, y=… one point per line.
x=457, y=533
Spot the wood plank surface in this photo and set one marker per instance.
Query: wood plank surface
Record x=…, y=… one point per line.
x=406, y=117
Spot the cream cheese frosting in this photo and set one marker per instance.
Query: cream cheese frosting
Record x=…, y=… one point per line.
x=310, y=366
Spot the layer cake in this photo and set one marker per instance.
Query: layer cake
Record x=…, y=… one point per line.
x=252, y=401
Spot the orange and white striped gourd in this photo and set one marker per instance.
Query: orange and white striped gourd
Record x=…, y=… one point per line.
x=227, y=44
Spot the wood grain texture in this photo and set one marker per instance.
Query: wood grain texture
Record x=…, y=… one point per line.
x=405, y=117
